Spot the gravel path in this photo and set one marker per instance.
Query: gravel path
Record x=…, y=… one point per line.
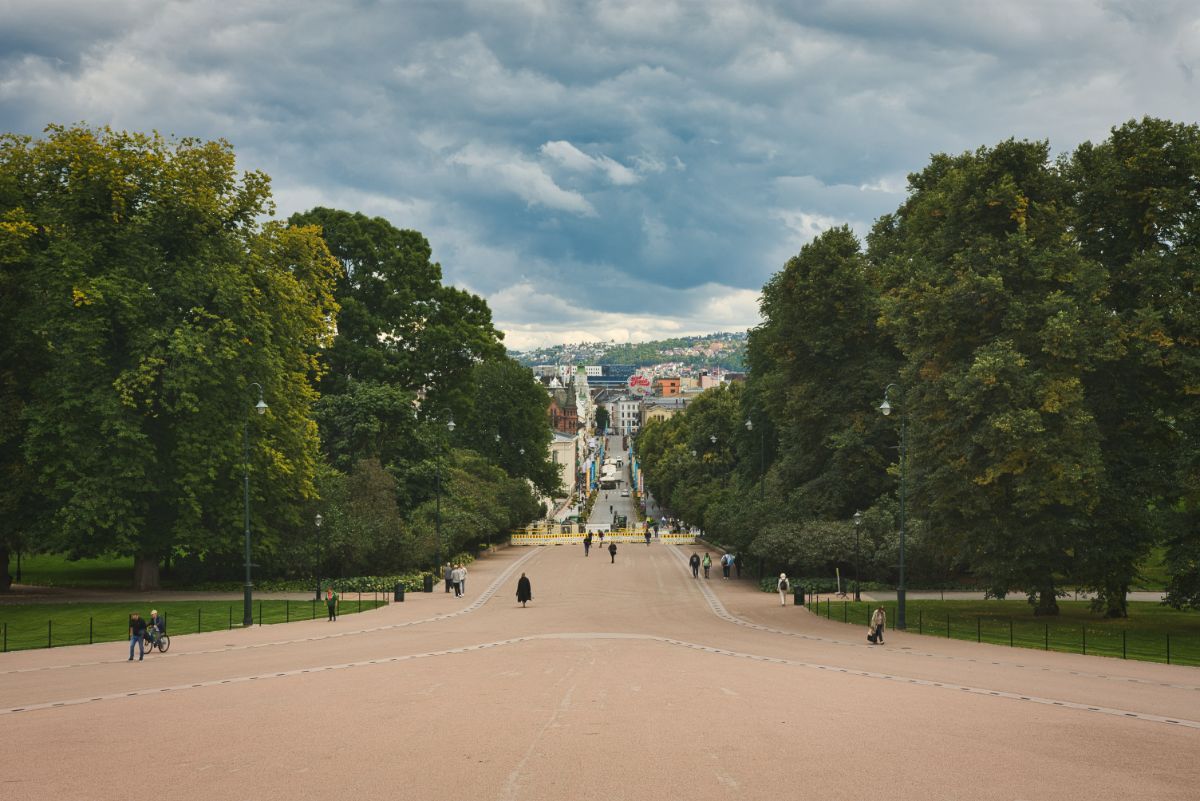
x=620, y=681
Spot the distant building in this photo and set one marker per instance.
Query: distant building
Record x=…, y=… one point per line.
x=666, y=386
x=628, y=419
x=662, y=408
x=609, y=376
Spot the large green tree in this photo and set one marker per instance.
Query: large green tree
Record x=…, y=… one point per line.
x=152, y=297
x=1137, y=196
x=1000, y=318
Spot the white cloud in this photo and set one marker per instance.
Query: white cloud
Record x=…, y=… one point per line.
x=571, y=157
x=494, y=167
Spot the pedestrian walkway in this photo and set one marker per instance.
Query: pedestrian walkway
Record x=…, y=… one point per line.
x=620, y=680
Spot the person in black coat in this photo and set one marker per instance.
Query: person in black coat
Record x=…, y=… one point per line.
x=524, y=590
x=695, y=564
x=612, y=551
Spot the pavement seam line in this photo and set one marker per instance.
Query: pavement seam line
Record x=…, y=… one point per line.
x=720, y=611
x=483, y=598
x=980, y=691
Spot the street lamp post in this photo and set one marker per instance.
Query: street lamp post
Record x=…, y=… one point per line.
x=438, y=503
x=857, y=523
x=248, y=588
x=886, y=408
x=320, y=553
x=762, y=456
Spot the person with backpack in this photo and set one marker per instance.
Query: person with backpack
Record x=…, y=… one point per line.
x=707, y=564
x=695, y=563
x=783, y=588
x=878, y=623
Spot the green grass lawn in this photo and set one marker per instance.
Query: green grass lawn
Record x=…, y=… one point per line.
x=39, y=625
x=1144, y=635
x=55, y=570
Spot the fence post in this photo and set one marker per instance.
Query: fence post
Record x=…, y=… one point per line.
x=287, y=610
x=6, y=638
x=977, y=629
x=231, y=618
x=1010, y=637
x=947, y=625
x=1168, y=649
x=198, y=622
x=1084, y=629
x=1124, y=655
x=360, y=600
x=920, y=621
x=260, y=613
x=49, y=633
x=314, y=609
x=89, y=631
x=1046, y=647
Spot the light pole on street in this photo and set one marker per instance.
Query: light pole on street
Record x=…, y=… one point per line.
x=248, y=588
x=857, y=523
x=762, y=455
x=886, y=408
x=318, y=520
x=438, y=503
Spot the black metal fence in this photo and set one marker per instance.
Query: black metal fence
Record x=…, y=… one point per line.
x=181, y=618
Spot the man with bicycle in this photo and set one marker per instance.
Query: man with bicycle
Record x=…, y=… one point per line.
x=156, y=626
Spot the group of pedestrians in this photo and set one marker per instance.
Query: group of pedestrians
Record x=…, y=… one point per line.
x=728, y=562
x=456, y=578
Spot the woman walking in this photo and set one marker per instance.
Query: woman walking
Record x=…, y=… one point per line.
x=878, y=623
x=524, y=590
x=783, y=588
x=612, y=551
x=707, y=564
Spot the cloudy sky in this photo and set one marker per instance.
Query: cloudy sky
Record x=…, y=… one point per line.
x=614, y=169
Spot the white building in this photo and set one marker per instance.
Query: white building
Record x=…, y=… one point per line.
x=628, y=415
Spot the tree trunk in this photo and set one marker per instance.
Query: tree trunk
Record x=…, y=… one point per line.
x=145, y=573
x=6, y=578
x=1047, y=602
x=1115, y=596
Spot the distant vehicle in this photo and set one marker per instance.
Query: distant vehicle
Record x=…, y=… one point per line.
x=624, y=493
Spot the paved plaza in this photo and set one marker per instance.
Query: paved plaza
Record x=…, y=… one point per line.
x=620, y=681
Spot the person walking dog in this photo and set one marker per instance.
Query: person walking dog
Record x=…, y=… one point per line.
x=612, y=551
x=783, y=588
x=524, y=590
x=878, y=623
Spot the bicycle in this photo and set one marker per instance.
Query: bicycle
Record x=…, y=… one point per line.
x=154, y=639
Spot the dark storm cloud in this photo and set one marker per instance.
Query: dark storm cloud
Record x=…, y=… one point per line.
x=607, y=168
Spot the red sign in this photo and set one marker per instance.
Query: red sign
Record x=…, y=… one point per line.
x=639, y=384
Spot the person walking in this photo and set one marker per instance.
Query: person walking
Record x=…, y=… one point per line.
x=447, y=571
x=647, y=536
x=707, y=564
x=878, y=623
x=462, y=579
x=524, y=590
x=456, y=580
x=587, y=544
x=726, y=563
x=695, y=563
x=783, y=588
x=612, y=551
x=137, y=634
x=331, y=601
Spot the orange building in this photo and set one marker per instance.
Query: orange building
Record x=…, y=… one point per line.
x=667, y=387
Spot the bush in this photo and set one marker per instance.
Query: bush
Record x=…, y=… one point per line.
x=821, y=585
